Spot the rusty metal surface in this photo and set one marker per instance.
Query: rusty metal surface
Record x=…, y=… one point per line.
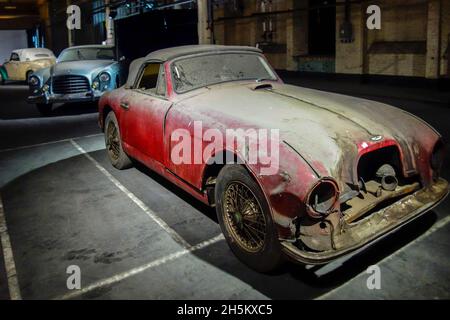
x=356, y=235
x=361, y=205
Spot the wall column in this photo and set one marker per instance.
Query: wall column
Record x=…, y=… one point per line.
x=296, y=33
x=109, y=24
x=433, y=39
x=204, y=33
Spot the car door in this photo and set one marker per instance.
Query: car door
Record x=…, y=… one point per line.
x=12, y=66
x=144, y=109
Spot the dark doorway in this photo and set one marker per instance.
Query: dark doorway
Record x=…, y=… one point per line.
x=141, y=34
x=322, y=27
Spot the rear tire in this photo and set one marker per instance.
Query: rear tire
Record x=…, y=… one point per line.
x=44, y=109
x=119, y=159
x=247, y=225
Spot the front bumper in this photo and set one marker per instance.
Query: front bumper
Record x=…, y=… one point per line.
x=46, y=98
x=366, y=232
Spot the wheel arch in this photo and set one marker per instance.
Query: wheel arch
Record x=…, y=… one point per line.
x=212, y=169
x=28, y=73
x=105, y=111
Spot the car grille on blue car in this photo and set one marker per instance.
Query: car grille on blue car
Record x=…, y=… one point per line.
x=70, y=84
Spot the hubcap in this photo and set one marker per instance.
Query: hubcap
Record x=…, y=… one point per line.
x=112, y=141
x=244, y=218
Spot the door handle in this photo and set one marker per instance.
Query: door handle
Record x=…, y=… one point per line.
x=125, y=105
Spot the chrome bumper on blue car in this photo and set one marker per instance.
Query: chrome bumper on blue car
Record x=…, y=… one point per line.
x=72, y=97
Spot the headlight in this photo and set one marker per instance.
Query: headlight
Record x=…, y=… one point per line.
x=322, y=198
x=33, y=81
x=437, y=157
x=104, y=77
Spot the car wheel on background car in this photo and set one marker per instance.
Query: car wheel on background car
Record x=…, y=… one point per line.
x=113, y=142
x=245, y=219
x=44, y=109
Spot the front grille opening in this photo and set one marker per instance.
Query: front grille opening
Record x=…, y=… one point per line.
x=381, y=183
x=70, y=84
x=372, y=161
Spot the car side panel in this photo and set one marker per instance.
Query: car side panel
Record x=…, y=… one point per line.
x=12, y=68
x=143, y=123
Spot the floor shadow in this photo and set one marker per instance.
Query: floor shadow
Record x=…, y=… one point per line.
x=200, y=206
x=70, y=109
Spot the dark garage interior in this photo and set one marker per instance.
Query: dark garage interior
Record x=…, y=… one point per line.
x=139, y=234
x=138, y=35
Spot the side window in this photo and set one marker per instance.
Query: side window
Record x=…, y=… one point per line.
x=14, y=57
x=149, y=77
x=161, y=87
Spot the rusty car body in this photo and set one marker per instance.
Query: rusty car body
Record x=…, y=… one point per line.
x=350, y=170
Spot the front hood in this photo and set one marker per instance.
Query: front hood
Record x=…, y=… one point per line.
x=328, y=130
x=84, y=68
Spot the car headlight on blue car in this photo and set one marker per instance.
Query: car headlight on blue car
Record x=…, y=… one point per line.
x=33, y=81
x=101, y=82
x=104, y=77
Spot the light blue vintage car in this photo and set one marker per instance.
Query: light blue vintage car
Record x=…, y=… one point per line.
x=81, y=74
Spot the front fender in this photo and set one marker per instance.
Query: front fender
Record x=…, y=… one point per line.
x=3, y=73
x=285, y=191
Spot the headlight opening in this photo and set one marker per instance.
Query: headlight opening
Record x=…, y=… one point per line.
x=322, y=198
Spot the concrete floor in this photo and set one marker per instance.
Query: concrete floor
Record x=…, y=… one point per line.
x=63, y=207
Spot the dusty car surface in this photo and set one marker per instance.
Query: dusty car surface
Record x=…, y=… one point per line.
x=350, y=171
x=81, y=74
x=23, y=62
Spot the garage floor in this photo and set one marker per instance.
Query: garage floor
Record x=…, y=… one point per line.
x=136, y=236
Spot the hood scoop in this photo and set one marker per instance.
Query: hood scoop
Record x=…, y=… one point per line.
x=261, y=86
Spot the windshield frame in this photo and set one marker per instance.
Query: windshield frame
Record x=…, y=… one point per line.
x=88, y=48
x=262, y=58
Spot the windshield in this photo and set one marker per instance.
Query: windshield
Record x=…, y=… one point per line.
x=77, y=54
x=196, y=72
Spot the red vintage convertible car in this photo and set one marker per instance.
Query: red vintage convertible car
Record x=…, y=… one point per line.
x=343, y=172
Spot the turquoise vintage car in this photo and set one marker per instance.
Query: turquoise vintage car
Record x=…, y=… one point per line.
x=81, y=74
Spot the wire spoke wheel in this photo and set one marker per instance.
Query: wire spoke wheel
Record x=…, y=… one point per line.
x=112, y=141
x=244, y=217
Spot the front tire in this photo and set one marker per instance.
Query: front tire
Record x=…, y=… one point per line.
x=45, y=109
x=113, y=142
x=28, y=75
x=245, y=219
